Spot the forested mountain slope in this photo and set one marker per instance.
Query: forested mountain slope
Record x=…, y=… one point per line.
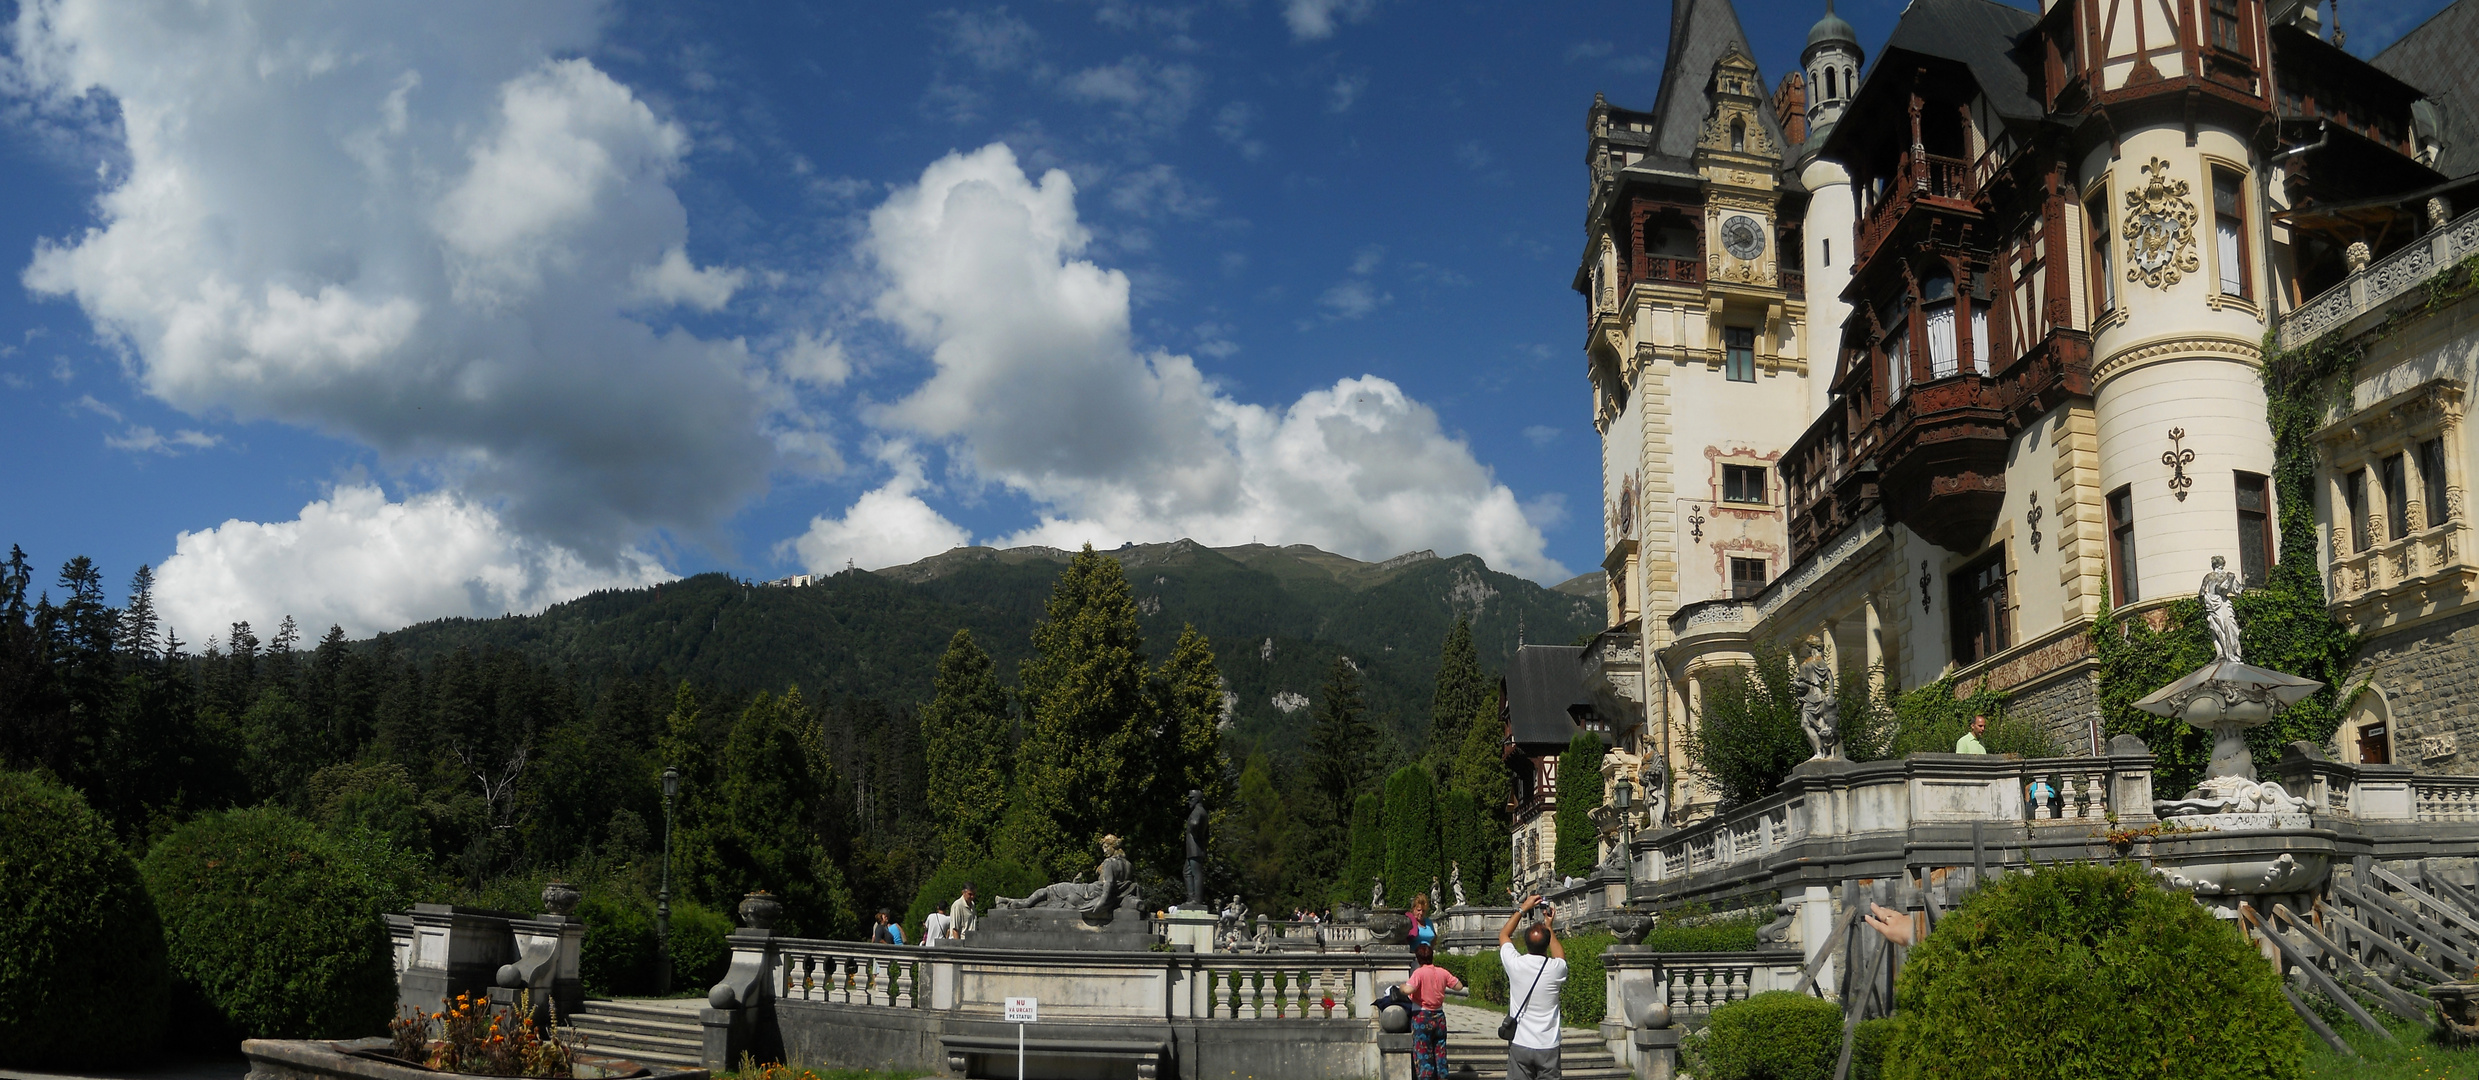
x=1276, y=617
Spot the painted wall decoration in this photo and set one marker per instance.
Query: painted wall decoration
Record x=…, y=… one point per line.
x=2160, y=229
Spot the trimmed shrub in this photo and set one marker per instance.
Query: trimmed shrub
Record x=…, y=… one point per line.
x=1365, y=860
x=1412, y=859
x=1868, y=1043
x=2086, y=972
x=1586, y=996
x=1775, y=1035
x=1486, y=977
x=272, y=928
x=1579, y=794
x=618, y=957
x=83, y=980
x=701, y=949
x=1721, y=935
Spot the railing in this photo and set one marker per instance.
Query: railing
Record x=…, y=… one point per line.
x=1246, y=988
x=1750, y=832
x=2444, y=798
x=848, y=973
x=2396, y=561
x=2383, y=280
x=1922, y=175
x=2066, y=790
x=1664, y=268
x=1695, y=982
x=1794, y=281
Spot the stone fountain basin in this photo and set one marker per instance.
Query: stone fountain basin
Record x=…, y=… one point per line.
x=2247, y=854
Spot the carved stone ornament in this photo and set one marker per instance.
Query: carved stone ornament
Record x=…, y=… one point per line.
x=1695, y=522
x=2033, y=518
x=2160, y=229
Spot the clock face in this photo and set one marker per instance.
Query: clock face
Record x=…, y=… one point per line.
x=1743, y=236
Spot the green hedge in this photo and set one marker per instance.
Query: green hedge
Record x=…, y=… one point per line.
x=83, y=979
x=992, y=878
x=271, y=928
x=2078, y=972
x=1586, y=996
x=1579, y=794
x=1724, y=935
x=621, y=948
x=1868, y=1044
x=1412, y=858
x=1775, y=1035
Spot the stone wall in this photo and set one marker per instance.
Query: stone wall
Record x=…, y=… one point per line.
x=2428, y=676
x=2065, y=707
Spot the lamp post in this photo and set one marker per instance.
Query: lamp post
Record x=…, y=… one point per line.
x=662, y=898
x=1622, y=798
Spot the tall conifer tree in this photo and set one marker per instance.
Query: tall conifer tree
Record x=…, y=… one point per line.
x=1462, y=695
x=965, y=735
x=1085, y=764
x=1189, y=703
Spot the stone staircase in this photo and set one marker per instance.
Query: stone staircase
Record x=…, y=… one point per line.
x=656, y=1034
x=1472, y=1040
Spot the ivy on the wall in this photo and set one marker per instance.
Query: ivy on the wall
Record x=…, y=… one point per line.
x=2286, y=625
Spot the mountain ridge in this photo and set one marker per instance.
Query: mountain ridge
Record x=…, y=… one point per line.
x=1276, y=617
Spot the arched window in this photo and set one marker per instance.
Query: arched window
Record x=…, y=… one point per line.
x=1829, y=90
x=1738, y=136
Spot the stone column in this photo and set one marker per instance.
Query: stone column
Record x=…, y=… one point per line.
x=1815, y=925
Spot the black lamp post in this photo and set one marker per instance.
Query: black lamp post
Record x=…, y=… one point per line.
x=1622, y=798
x=662, y=898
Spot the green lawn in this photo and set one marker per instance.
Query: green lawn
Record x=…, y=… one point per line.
x=2412, y=1056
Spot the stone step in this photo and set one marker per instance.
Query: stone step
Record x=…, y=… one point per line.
x=644, y=1033
x=636, y=1024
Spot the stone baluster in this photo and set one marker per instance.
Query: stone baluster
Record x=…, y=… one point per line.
x=1738, y=984
x=831, y=974
x=906, y=974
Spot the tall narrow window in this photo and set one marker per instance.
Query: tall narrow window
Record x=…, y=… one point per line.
x=2122, y=545
x=2229, y=231
x=2255, y=552
x=2432, y=478
x=2227, y=32
x=1979, y=336
x=1976, y=603
x=1738, y=136
x=1739, y=355
x=2354, y=503
x=1937, y=314
x=1898, y=360
x=1747, y=578
x=1829, y=251
x=2096, y=223
x=2395, y=474
x=1829, y=74
x=1744, y=484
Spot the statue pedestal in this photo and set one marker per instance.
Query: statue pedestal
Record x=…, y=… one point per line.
x=1061, y=929
x=1194, y=929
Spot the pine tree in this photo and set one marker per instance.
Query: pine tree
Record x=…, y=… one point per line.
x=1188, y=692
x=1087, y=761
x=767, y=834
x=1343, y=746
x=1412, y=858
x=1481, y=772
x=1579, y=794
x=1462, y=697
x=139, y=640
x=1264, y=834
x=965, y=730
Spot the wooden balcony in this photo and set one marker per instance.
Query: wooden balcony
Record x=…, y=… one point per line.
x=1677, y=271
x=1930, y=182
x=1943, y=466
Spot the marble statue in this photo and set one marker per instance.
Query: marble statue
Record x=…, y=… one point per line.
x=1454, y=878
x=1656, y=787
x=1377, y=893
x=2220, y=587
x=1820, y=714
x=1196, y=850
x=1435, y=900
x=1115, y=888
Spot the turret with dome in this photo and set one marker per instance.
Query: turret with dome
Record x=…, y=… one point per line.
x=1832, y=60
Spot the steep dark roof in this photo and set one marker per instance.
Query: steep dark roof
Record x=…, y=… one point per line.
x=2438, y=58
x=1543, y=688
x=1701, y=33
x=1977, y=33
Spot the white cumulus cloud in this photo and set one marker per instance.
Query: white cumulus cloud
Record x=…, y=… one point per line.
x=1314, y=19
x=888, y=526
x=412, y=228
x=1038, y=386
x=357, y=560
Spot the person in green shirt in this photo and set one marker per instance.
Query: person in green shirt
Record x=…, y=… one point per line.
x=1970, y=742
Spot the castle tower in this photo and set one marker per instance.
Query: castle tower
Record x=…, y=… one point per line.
x=1832, y=60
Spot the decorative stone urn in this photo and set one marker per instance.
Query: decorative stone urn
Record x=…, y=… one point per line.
x=758, y=910
x=560, y=898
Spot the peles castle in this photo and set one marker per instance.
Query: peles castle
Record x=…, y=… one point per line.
x=1934, y=358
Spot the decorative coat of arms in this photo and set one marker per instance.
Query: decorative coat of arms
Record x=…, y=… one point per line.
x=2160, y=229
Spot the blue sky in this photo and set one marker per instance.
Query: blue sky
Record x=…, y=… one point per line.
x=371, y=315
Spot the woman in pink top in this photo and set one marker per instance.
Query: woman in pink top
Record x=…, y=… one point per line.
x=1427, y=988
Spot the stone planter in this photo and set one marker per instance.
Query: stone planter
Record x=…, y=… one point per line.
x=758, y=911
x=560, y=898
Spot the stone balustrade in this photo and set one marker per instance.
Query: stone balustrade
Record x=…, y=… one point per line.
x=1692, y=984
x=2382, y=281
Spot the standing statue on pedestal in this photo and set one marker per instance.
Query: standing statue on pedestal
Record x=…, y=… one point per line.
x=2220, y=587
x=1115, y=888
x=1196, y=851
x=1454, y=879
x=1377, y=893
x=1436, y=901
x=1820, y=714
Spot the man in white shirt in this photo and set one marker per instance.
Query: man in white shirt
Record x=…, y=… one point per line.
x=1533, y=979
x=934, y=927
x=960, y=915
